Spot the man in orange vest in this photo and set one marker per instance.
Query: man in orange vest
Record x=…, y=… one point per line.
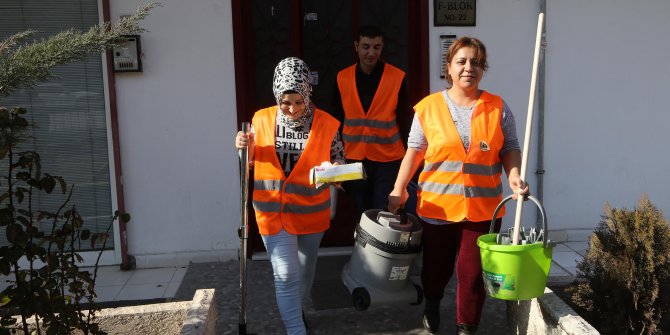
x=371, y=103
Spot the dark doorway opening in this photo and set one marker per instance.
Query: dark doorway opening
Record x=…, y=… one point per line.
x=322, y=33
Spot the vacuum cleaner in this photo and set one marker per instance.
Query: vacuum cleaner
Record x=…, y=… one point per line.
x=382, y=258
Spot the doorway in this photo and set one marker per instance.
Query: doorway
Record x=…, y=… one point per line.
x=322, y=34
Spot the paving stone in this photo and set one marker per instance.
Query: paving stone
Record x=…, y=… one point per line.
x=263, y=315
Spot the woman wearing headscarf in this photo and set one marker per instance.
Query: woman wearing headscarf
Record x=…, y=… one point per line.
x=284, y=143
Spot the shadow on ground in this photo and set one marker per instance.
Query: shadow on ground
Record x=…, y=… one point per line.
x=340, y=318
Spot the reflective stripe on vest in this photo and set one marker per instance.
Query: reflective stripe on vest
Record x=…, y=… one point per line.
x=276, y=185
x=469, y=168
x=370, y=123
x=457, y=189
x=275, y=207
x=453, y=185
x=373, y=134
x=371, y=139
x=290, y=202
x=297, y=209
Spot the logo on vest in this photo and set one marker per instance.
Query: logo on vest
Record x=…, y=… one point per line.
x=483, y=146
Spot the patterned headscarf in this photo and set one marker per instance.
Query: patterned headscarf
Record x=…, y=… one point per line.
x=292, y=74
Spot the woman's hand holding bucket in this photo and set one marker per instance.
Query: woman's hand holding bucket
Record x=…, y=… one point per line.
x=518, y=186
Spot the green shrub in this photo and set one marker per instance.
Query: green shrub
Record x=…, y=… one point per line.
x=41, y=266
x=46, y=284
x=625, y=276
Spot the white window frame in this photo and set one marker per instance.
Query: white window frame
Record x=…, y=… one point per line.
x=114, y=256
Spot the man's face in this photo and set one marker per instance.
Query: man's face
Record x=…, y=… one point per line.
x=369, y=50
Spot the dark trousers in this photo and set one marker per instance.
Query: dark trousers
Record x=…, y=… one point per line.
x=455, y=244
x=412, y=188
x=373, y=192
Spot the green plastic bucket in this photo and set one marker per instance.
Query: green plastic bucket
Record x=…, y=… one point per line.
x=515, y=272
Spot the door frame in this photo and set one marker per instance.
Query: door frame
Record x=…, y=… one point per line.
x=120, y=252
x=417, y=74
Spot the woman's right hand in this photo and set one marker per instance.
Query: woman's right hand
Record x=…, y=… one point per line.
x=397, y=199
x=243, y=140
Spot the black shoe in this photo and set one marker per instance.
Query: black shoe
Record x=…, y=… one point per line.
x=304, y=320
x=464, y=329
x=431, y=315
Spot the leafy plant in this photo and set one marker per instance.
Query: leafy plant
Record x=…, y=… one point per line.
x=625, y=276
x=23, y=66
x=51, y=288
x=42, y=265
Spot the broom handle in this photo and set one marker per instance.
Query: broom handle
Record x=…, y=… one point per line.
x=529, y=126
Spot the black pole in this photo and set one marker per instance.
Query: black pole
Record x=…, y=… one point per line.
x=243, y=231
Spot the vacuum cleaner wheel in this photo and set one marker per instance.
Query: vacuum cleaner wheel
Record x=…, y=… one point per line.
x=361, y=298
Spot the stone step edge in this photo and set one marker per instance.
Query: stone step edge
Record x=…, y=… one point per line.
x=547, y=314
x=199, y=319
x=201, y=315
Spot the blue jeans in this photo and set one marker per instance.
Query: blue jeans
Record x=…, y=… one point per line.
x=293, y=260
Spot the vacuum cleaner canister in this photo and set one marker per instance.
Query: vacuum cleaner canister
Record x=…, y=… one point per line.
x=382, y=258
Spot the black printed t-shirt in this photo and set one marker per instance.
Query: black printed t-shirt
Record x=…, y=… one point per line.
x=290, y=143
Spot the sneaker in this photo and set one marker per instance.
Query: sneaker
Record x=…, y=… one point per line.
x=464, y=329
x=431, y=315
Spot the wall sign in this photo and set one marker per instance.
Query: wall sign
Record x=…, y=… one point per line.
x=454, y=12
x=445, y=42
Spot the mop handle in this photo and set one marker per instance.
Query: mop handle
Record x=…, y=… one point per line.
x=244, y=181
x=529, y=126
x=243, y=231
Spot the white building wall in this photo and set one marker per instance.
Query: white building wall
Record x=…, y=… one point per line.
x=606, y=74
x=177, y=121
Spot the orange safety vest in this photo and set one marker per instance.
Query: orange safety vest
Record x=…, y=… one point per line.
x=453, y=185
x=373, y=135
x=291, y=203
